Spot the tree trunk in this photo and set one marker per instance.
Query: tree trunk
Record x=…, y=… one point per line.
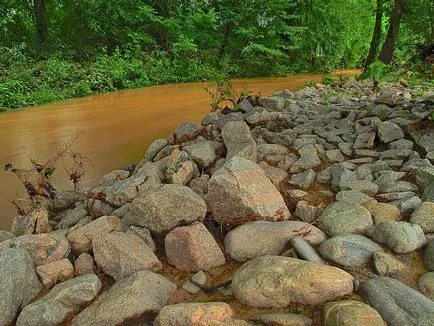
x=392, y=34
x=376, y=36
x=41, y=19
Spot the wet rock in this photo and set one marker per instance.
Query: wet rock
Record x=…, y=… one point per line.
x=389, y=131
x=201, y=314
x=303, y=180
x=309, y=159
x=240, y=190
x=200, y=278
x=119, y=254
x=18, y=282
x=349, y=250
x=164, y=207
x=350, y=312
x=260, y=238
x=343, y=217
x=155, y=147
x=43, y=248
x=61, y=302
x=274, y=281
x=282, y=319
x=85, y=264
x=397, y=303
x=428, y=256
x=400, y=237
x=143, y=293
x=307, y=212
x=55, y=272
x=239, y=141
x=426, y=285
x=186, y=131
x=144, y=234
x=203, y=153
x=36, y=222
x=424, y=216
x=81, y=238
x=305, y=251
x=381, y=211
x=192, y=248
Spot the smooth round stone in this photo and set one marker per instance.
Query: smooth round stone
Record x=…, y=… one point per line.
x=350, y=312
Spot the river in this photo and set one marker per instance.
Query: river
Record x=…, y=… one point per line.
x=115, y=129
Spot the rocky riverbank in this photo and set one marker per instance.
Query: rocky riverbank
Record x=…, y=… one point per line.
x=306, y=208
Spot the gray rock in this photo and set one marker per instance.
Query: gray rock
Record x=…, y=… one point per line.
x=388, y=177
x=407, y=205
x=428, y=193
x=239, y=141
x=400, y=237
x=164, y=207
x=61, y=302
x=397, y=303
x=303, y=180
x=424, y=216
x=427, y=142
x=225, y=118
x=85, y=264
x=81, y=238
x=307, y=212
x=72, y=217
x=18, y=282
x=365, y=140
x=340, y=176
x=274, y=281
x=388, y=265
x=401, y=144
x=305, y=251
x=282, y=319
x=398, y=186
x=142, y=293
x=365, y=186
x=182, y=173
x=240, y=190
x=424, y=176
x=428, y=256
x=119, y=254
x=203, y=153
x=272, y=102
x=309, y=159
x=155, y=147
x=210, y=118
x=113, y=176
x=55, y=272
x=352, y=196
x=5, y=235
x=200, y=278
x=334, y=156
x=426, y=285
x=192, y=248
x=349, y=250
x=36, y=222
x=200, y=185
x=275, y=175
x=346, y=148
x=260, y=238
x=144, y=234
x=350, y=312
x=389, y=131
x=344, y=217
x=186, y=131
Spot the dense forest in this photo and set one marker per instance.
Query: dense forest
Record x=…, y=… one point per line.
x=56, y=49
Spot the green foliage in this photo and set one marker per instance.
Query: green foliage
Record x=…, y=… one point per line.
x=327, y=80
x=377, y=71
x=224, y=94
x=310, y=83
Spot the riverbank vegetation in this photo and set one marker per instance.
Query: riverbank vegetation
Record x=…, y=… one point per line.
x=52, y=50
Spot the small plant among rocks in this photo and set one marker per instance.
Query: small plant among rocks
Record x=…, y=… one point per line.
x=223, y=95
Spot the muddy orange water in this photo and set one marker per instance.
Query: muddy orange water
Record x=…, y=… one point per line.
x=116, y=128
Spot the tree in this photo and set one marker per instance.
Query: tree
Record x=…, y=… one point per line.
x=41, y=22
x=376, y=36
x=388, y=48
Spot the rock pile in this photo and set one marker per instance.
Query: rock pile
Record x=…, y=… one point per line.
x=310, y=197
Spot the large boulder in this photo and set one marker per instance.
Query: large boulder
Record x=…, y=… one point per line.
x=275, y=281
x=43, y=248
x=397, y=303
x=61, y=302
x=119, y=254
x=81, y=238
x=192, y=248
x=18, y=282
x=349, y=250
x=239, y=140
x=400, y=237
x=344, y=217
x=261, y=238
x=165, y=207
x=142, y=293
x=240, y=190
